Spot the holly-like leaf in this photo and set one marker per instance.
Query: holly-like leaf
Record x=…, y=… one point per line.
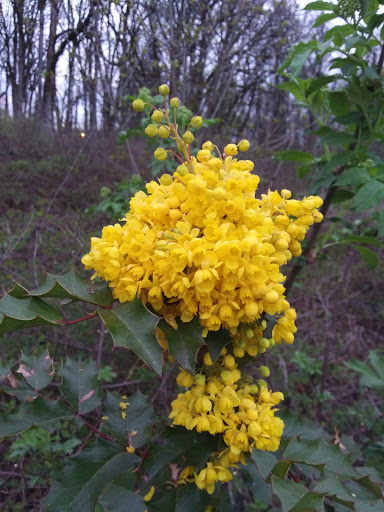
x=138, y=418
x=72, y=286
x=133, y=326
x=176, y=444
x=120, y=496
x=216, y=341
x=40, y=413
x=289, y=493
x=190, y=497
x=296, y=425
x=78, y=486
x=80, y=385
x=369, y=195
x=37, y=371
x=293, y=155
x=21, y=313
x=184, y=342
x=353, y=176
x=320, y=453
x=264, y=461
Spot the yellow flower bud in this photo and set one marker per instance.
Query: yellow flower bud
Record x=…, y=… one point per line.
x=264, y=342
x=188, y=137
x=227, y=377
x=151, y=130
x=138, y=105
x=208, y=145
x=160, y=154
x=203, y=155
x=174, y=103
x=166, y=179
x=230, y=149
x=199, y=379
x=264, y=371
x=286, y=194
x=163, y=132
x=207, y=359
x=196, y=121
x=229, y=362
x=272, y=296
x=253, y=389
x=157, y=116
x=182, y=170
x=243, y=145
x=164, y=90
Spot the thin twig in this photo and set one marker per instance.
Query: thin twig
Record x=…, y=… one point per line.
x=100, y=344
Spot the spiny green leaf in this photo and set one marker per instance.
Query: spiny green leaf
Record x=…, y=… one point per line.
x=297, y=425
x=369, y=256
x=80, y=385
x=120, y=496
x=133, y=326
x=184, y=342
x=320, y=453
x=369, y=195
x=310, y=501
x=294, y=155
x=353, y=176
x=139, y=418
x=190, y=497
x=171, y=445
x=216, y=341
x=72, y=286
x=334, y=487
x=78, y=486
x=289, y=493
x=38, y=371
x=40, y=413
x=264, y=461
x=29, y=312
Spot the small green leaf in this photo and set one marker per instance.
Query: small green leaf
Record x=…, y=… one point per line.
x=139, y=418
x=293, y=88
x=38, y=371
x=310, y=501
x=190, y=497
x=216, y=341
x=78, y=486
x=264, y=461
x=120, y=495
x=21, y=313
x=323, y=18
x=317, y=83
x=281, y=469
x=293, y=155
x=369, y=378
x=289, y=493
x=320, y=6
x=369, y=196
x=341, y=195
x=303, y=170
x=184, y=342
x=72, y=286
x=133, y=326
x=338, y=138
x=297, y=425
x=80, y=385
x=338, y=160
x=40, y=413
x=354, y=176
x=339, y=103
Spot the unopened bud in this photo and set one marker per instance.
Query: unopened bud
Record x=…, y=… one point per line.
x=182, y=170
x=264, y=371
x=243, y=145
x=151, y=130
x=166, y=179
x=164, y=90
x=188, y=137
x=160, y=154
x=157, y=116
x=175, y=103
x=163, y=132
x=138, y=105
x=196, y=121
x=230, y=149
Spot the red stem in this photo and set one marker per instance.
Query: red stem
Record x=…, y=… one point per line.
x=293, y=476
x=66, y=322
x=96, y=431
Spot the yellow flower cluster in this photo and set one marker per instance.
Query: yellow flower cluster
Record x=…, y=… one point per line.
x=224, y=403
x=202, y=244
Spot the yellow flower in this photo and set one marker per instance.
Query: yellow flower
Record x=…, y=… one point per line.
x=150, y=493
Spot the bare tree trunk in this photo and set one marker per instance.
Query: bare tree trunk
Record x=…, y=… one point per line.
x=50, y=82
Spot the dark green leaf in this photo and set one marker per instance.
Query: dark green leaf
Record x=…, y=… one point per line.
x=341, y=195
x=303, y=170
x=310, y=501
x=350, y=118
x=338, y=160
x=369, y=377
x=334, y=487
x=293, y=88
x=72, y=286
x=317, y=83
x=289, y=493
x=38, y=371
x=173, y=443
x=79, y=485
x=369, y=196
x=353, y=177
x=264, y=461
x=338, y=138
x=320, y=6
x=120, y=496
x=216, y=341
x=297, y=425
x=293, y=155
x=184, y=342
x=21, y=313
x=80, y=385
x=323, y=18
x=320, y=453
x=375, y=21
x=377, y=362
x=364, y=239
x=281, y=469
x=190, y=497
x=40, y=413
x=259, y=488
x=139, y=418
x=339, y=103
x=133, y=326
x=380, y=224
